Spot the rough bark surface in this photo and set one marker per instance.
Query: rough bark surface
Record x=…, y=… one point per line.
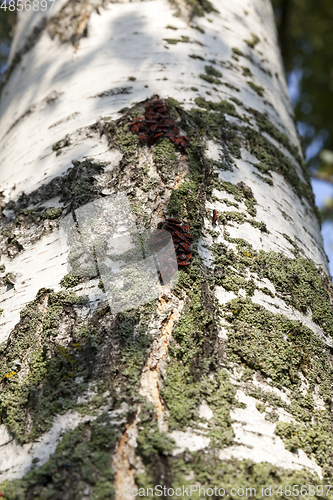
x=226, y=379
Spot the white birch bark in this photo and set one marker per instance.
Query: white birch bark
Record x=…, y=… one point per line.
x=58, y=90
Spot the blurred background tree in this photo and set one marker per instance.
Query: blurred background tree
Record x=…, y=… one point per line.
x=305, y=30
x=7, y=26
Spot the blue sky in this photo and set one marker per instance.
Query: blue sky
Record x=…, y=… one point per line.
x=323, y=190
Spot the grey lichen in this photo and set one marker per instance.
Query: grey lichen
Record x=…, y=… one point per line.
x=80, y=463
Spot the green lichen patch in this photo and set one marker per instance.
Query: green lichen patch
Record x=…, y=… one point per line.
x=241, y=192
x=79, y=186
x=52, y=213
x=199, y=7
x=259, y=90
x=185, y=202
x=210, y=70
x=296, y=249
x=210, y=79
x=210, y=120
x=165, y=159
x=222, y=106
x=63, y=143
x=41, y=378
x=252, y=43
x=6, y=231
x=183, y=396
x=271, y=159
x=9, y=280
x=236, y=101
x=267, y=398
x=195, y=56
x=230, y=86
x=69, y=24
x=233, y=281
x=37, y=377
x=133, y=341
x=266, y=126
x=191, y=374
x=315, y=439
x=154, y=447
x=271, y=416
x=188, y=200
x=174, y=41
x=82, y=460
x=69, y=281
x=281, y=350
x=255, y=480
x=240, y=218
x=225, y=201
x=34, y=215
x=269, y=345
x=297, y=281
x=75, y=188
x=201, y=30
x=212, y=75
x=246, y=71
x=260, y=407
x=237, y=51
x=243, y=475
x=212, y=123
x=267, y=291
x=151, y=441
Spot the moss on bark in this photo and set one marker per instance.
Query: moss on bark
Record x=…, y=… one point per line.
x=113, y=350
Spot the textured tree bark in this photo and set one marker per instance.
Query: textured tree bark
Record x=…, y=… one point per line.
x=225, y=380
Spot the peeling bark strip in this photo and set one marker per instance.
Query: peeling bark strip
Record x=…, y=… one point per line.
x=226, y=379
x=125, y=461
x=151, y=373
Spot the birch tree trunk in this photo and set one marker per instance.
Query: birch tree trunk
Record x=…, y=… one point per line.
x=223, y=381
